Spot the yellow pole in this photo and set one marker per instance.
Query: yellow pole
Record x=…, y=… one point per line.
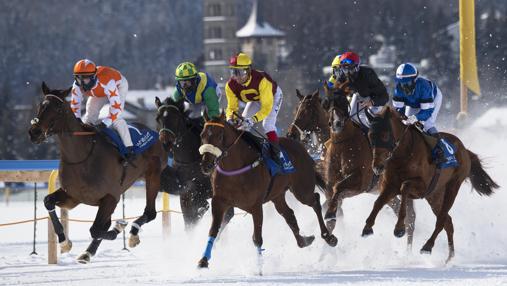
x=166, y=216
x=52, y=245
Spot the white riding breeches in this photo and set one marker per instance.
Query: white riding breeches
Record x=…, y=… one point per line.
x=95, y=104
x=269, y=123
x=430, y=122
x=357, y=114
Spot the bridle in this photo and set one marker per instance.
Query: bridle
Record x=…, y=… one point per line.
x=302, y=133
x=214, y=150
x=49, y=131
x=163, y=128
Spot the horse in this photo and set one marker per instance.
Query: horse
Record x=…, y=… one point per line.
x=348, y=169
x=92, y=172
x=404, y=159
x=181, y=135
x=310, y=118
x=347, y=157
x=240, y=179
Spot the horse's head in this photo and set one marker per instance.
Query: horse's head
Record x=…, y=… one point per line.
x=337, y=119
x=307, y=116
x=50, y=114
x=382, y=139
x=213, y=138
x=170, y=121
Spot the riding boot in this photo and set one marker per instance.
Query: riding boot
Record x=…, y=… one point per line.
x=438, y=153
x=276, y=153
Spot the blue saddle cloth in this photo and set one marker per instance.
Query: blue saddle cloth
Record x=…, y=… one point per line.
x=274, y=169
x=142, y=138
x=449, y=150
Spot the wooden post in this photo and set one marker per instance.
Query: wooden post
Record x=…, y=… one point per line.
x=52, y=243
x=166, y=216
x=463, y=113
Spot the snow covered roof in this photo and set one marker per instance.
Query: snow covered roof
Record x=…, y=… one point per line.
x=493, y=118
x=256, y=26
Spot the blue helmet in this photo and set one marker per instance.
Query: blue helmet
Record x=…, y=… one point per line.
x=406, y=74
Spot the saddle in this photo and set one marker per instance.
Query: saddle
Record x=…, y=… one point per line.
x=263, y=147
x=142, y=138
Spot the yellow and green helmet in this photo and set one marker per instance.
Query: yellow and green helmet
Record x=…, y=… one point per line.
x=185, y=70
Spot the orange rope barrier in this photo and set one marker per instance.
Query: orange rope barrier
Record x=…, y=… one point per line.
x=84, y=220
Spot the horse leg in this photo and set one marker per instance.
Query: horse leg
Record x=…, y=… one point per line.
x=193, y=204
x=407, y=188
x=324, y=232
x=350, y=184
x=152, y=179
x=229, y=214
x=410, y=224
x=62, y=199
x=99, y=229
x=218, y=208
x=288, y=214
x=451, y=191
x=386, y=194
x=257, y=216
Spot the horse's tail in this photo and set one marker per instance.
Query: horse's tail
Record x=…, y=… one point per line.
x=480, y=180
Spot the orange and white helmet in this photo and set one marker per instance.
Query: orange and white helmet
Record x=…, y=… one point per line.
x=85, y=67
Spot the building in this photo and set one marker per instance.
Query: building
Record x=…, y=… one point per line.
x=220, y=42
x=264, y=43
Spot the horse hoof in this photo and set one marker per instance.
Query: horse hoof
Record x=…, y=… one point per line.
x=367, y=232
x=65, y=246
x=425, y=250
x=331, y=224
x=305, y=241
x=399, y=232
x=120, y=225
x=84, y=258
x=134, y=240
x=332, y=240
x=203, y=263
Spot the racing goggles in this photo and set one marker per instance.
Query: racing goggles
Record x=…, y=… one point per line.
x=239, y=72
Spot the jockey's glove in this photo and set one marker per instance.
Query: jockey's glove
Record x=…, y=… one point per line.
x=412, y=119
x=246, y=124
x=232, y=121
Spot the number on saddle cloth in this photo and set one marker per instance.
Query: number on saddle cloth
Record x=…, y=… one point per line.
x=449, y=151
x=142, y=138
x=274, y=169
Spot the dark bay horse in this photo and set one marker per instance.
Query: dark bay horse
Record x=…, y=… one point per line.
x=403, y=157
x=91, y=171
x=240, y=179
x=182, y=137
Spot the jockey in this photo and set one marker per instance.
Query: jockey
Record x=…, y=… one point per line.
x=263, y=98
x=420, y=99
x=102, y=85
x=369, y=92
x=198, y=89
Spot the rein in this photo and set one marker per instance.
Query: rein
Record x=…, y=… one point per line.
x=209, y=148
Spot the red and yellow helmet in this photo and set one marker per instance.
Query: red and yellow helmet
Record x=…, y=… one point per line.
x=85, y=67
x=240, y=61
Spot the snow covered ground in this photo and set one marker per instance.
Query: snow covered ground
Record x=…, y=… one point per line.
x=480, y=239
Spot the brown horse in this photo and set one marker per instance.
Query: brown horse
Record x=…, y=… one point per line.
x=310, y=117
x=348, y=168
x=240, y=179
x=401, y=154
x=92, y=172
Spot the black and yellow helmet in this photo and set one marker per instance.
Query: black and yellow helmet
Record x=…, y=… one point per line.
x=185, y=70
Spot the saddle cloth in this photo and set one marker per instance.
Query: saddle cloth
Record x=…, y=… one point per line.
x=142, y=138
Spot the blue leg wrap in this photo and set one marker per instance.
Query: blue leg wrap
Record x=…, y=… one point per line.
x=209, y=246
